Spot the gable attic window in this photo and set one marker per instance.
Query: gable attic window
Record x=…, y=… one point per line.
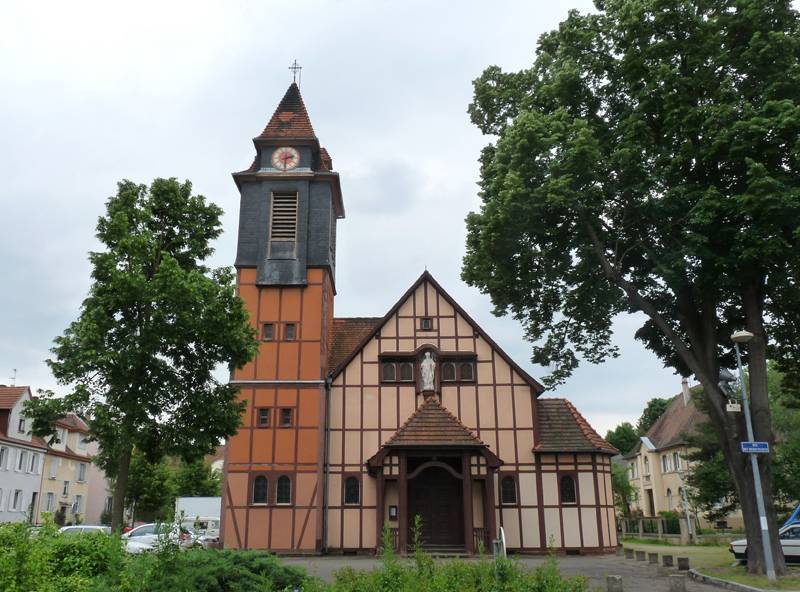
x=426, y=324
x=283, y=226
x=388, y=372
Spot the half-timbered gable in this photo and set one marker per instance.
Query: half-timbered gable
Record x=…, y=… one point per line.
x=377, y=389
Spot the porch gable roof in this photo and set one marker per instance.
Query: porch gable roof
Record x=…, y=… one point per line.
x=433, y=426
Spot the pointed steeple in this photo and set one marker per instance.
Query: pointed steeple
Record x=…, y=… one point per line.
x=290, y=119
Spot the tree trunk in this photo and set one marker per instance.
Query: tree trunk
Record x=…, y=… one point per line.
x=762, y=431
x=120, y=487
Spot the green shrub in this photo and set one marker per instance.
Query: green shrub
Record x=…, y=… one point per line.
x=52, y=562
x=456, y=576
x=209, y=570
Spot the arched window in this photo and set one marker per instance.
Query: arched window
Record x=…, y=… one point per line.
x=388, y=372
x=406, y=372
x=646, y=466
x=467, y=372
x=351, y=491
x=669, y=499
x=508, y=490
x=664, y=463
x=568, y=495
x=284, y=492
x=448, y=371
x=260, y=490
x=676, y=461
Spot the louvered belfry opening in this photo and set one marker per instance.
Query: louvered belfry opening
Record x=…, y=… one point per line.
x=283, y=226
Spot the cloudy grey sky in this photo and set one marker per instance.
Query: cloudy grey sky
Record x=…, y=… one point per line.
x=91, y=93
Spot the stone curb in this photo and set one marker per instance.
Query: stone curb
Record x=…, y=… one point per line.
x=696, y=575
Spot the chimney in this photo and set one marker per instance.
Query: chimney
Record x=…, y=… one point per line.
x=687, y=395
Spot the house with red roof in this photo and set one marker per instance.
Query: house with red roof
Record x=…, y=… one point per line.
x=66, y=471
x=357, y=426
x=21, y=458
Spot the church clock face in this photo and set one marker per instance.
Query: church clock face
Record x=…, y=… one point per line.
x=285, y=158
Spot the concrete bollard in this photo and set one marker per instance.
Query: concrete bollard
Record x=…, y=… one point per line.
x=683, y=563
x=614, y=583
x=620, y=552
x=628, y=553
x=640, y=556
x=652, y=558
x=677, y=583
x=666, y=561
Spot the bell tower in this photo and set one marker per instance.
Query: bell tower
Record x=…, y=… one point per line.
x=285, y=262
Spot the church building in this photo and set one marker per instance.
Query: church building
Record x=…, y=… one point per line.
x=356, y=425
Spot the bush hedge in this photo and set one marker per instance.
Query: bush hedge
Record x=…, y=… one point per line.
x=47, y=561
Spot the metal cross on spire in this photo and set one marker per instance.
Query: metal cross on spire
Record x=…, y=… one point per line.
x=295, y=68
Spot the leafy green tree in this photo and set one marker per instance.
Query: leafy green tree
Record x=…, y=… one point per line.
x=623, y=437
x=648, y=162
x=624, y=492
x=196, y=478
x=654, y=409
x=712, y=488
x=151, y=489
x=156, y=323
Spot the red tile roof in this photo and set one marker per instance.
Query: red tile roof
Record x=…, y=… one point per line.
x=678, y=420
x=433, y=425
x=9, y=395
x=290, y=119
x=325, y=160
x=346, y=335
x=35, y=441
x=73, y=422
x=563, y=429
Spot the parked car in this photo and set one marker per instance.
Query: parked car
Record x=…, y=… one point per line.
x=206, y=529
x=147, y=537
x=84, y=528
x=790, y=543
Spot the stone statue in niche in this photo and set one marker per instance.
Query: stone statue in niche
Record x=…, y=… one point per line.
x=427, y=370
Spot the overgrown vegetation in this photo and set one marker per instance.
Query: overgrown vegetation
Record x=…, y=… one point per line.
x=53, y=562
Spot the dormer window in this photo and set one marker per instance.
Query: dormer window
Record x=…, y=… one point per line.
x=21, y=425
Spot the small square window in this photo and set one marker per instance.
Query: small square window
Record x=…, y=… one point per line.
x=263, y=417
x=406, y=372
x=388, y=372
x=426, y=324
x=286, y=416
x=268, y=332
x=290, y=331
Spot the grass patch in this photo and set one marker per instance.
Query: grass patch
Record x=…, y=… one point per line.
x=739, y=574
x=716, y=561
x=700, y=557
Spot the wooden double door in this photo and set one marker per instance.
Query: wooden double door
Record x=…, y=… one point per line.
x=437, y=496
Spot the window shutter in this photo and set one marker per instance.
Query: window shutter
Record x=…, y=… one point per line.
x=283, y=217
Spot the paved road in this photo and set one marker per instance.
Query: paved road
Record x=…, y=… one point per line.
x=635, y=575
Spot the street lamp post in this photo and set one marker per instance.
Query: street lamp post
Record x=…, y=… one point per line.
x=685, y=500
x=743, y=337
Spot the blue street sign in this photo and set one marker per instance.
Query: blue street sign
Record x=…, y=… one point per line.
x=755, y=447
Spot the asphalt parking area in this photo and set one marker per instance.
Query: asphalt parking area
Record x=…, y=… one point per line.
x=636, y=575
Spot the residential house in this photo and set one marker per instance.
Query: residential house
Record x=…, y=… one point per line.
x=65, y=479
x=21, y=457
x=99, y=498
x=658, y=465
